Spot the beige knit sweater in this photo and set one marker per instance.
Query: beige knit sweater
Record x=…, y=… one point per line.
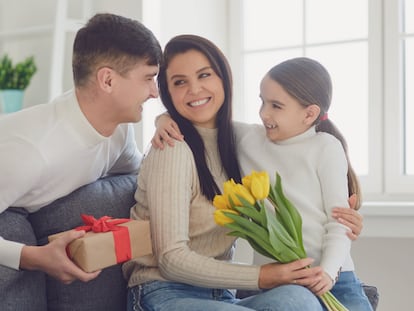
x=188, y=246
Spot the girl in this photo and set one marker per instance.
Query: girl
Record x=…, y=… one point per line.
x=300, y=142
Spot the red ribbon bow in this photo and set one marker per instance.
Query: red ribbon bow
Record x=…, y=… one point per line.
x=120, y=233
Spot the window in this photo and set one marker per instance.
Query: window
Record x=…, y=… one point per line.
x=407, y=38
x=368, y=48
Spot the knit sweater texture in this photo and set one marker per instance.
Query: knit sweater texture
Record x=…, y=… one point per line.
x=188, y=246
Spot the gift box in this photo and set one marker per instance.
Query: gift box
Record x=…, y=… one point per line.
x=108, y=242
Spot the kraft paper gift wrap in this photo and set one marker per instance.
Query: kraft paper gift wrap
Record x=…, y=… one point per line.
x=108, y=242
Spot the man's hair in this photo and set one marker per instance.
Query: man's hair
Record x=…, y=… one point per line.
x=113, y=41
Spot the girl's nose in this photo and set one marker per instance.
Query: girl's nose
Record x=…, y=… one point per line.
x=264, y=112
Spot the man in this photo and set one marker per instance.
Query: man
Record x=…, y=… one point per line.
x=48, y=151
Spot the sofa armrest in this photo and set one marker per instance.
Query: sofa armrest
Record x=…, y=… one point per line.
x=112, y=196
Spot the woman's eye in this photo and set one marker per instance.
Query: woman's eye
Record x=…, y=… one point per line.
x=178, y=82
x=205, y=75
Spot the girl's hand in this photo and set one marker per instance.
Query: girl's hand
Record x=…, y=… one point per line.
x=322, y=286
x=350, y=218
x=166, y=130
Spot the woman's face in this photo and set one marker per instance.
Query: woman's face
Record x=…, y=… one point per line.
x=196, y=90
x=282, y=115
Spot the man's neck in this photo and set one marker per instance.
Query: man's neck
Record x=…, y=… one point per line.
x=94, y=108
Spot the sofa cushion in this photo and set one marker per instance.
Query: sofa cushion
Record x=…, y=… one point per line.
x=112, y=196
x=20, y=289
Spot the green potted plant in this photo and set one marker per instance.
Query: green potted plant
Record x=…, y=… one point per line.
x=14, y=79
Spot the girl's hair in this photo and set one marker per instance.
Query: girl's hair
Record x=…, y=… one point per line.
x=225, y=136
x=310, y=83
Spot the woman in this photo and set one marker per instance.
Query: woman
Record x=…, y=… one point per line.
x=191, y=267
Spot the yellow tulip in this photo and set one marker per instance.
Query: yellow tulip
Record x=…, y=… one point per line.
x=244, y=193
x=232, y=190
x=222, y=219
x=260, y=185
x=247, y=181
x=220, y=202
x=228, y=187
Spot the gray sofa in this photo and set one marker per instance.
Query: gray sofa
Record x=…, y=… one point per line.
x=112, y=196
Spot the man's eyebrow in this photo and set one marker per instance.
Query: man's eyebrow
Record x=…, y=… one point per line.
x=152, y=74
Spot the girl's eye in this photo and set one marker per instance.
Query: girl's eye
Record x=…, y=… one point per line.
x=275, y=106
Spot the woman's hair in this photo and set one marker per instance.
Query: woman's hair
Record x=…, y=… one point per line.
x=309, y=83
x=113, y=41
x=225, y=136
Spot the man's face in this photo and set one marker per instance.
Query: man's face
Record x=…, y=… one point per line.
x=132, y=89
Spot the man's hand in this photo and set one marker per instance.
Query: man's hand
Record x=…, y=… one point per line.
x=166, y=130
x=53, y=260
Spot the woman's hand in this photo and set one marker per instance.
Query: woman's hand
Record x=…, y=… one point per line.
x=166, y=130
x=296, y=272
x=350, y=218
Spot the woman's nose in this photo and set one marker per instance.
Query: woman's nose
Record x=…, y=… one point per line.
x=195, y=87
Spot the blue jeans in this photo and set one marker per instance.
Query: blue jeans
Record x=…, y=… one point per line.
x=349, y=291
x=170, y=296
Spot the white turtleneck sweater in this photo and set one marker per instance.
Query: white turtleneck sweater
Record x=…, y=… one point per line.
x=313, y=168
x=188, y=245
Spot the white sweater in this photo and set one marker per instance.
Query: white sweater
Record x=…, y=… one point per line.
x=313, y=169
x=48, y=151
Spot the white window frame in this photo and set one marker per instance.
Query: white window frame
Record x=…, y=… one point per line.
x=396, y=182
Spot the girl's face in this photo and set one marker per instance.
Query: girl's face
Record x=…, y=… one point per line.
x=282, y=115
x=196, y=90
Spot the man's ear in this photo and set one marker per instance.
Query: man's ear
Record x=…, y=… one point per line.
x=104, y=78
x=312, y=114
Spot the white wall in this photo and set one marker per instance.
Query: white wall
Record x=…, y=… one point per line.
x=38, y=43
x=387, y=264
x=24, y=33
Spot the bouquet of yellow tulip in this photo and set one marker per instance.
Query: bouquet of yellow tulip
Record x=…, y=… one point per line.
x=276, y=233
